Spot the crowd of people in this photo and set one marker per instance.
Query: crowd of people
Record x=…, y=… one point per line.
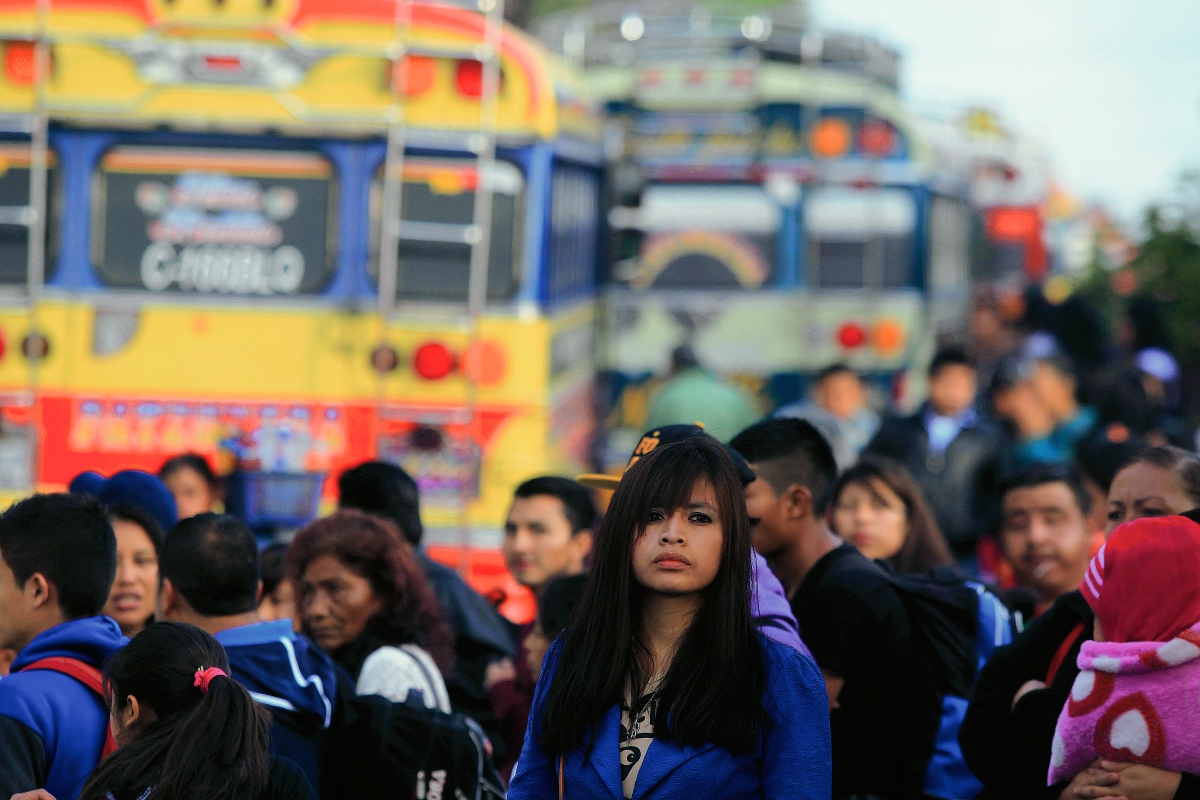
x=748, y=617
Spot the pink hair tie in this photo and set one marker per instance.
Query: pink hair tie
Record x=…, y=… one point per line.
x=204, y=677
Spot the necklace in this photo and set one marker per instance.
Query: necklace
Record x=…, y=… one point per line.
x=636, y=709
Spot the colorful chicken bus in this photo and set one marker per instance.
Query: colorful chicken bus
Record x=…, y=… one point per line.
x=777, y=207
x=213, y=206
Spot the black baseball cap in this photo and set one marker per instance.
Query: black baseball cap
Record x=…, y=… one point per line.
x=660, y=437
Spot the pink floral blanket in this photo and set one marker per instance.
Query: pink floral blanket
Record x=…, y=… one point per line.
x=1135, y=702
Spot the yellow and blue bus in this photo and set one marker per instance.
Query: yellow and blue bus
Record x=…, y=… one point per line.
x=775, y=206
x=215, y=184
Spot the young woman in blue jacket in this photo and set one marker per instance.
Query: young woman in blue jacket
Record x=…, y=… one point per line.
x=662, y=687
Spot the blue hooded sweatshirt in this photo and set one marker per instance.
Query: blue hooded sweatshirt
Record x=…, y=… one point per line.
x=286, y=672
x=52, y=727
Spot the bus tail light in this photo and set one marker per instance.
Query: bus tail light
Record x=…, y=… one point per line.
x=414, y=75
x=35, y=347
x=852, y=336
x=468, y=77
x=384, y=359
x=433, y=361
x=222, y=63
x=3, y=346
x=485, y=363
x=888, y=336
x=831, y=138
x=876, y=138
x=20, y=62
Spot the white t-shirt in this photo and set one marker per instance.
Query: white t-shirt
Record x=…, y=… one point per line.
x=392, y=672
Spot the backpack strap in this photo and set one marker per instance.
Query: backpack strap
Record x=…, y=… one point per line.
x=86, y=674
x=1060, y=655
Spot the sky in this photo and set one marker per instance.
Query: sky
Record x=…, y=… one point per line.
x=1110, y=87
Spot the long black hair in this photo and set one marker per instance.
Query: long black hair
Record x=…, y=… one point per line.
x=924, y=547
x=713, y=690
x=201, y=746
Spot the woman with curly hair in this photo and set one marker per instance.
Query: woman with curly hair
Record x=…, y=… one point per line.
x=363, y=597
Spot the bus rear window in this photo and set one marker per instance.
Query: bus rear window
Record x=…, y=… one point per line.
x=860, y=237
x=236, y=222
x=702, y=237
x=14, y=193
x=438, y=197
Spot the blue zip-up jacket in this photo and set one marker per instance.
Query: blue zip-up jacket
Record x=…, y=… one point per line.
x=791, y=762
x=286, y=672
x=52, y=727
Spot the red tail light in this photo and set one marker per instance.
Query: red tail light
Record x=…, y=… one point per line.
x=223, y=63
x=852, y=335
x=468, y=77
x=20, y=63
x=876, y=138
x=434, y=361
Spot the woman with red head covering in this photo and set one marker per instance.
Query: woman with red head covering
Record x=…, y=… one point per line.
x=1135, y=698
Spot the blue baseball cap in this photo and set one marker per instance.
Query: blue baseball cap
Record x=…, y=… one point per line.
x=143, y=490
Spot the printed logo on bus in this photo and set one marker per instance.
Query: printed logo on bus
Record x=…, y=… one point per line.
x=236, y=223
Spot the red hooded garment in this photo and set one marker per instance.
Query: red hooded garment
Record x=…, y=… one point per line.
x=1144, y=584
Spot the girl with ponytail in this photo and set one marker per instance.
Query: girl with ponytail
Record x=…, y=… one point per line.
x=184, y=729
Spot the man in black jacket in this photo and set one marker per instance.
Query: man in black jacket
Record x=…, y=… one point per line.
x=951, y=450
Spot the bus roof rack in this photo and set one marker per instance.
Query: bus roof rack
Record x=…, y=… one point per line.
x=620, y=33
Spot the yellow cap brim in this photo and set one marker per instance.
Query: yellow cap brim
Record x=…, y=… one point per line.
x=599, y=481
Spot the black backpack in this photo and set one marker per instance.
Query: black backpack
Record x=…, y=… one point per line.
x=956, y=625
x=380, y=750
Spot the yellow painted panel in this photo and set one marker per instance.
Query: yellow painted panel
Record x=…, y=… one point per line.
x=266, y=353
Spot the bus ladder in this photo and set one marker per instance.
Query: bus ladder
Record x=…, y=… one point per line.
x=395, y=229
x=36, y=126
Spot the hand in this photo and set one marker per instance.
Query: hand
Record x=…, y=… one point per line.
x=36, y=794
x=497, y=672
x=1092, y=782
x=1142, y=782
x=1026, y=688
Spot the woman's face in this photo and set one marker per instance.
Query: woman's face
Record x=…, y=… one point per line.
x=871, y=517
x=337, y=602
x=681, y=553
x=131, y=601
x=536, y=645
x=192, y=493
x=1144, y=490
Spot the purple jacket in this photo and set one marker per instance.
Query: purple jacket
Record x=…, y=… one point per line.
x=770, y=608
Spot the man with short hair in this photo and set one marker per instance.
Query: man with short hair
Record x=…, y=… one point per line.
x=209, y=578
x=1044, y=532
x=839, y=410
x=951, y=450
x=1019, y=694
x=852, y=618
x=58, y=557
x=548, y=533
